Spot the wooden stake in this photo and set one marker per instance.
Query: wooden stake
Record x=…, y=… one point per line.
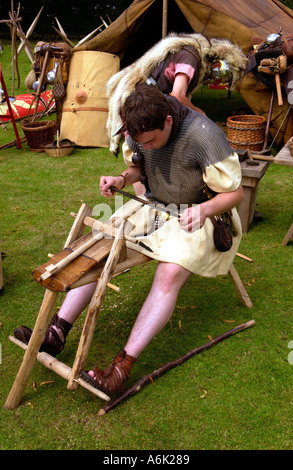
x=28, y=34
x=157, y=373
x=86, y=38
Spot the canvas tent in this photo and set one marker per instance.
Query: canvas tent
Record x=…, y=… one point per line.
x=140, y=26
x=144, y=23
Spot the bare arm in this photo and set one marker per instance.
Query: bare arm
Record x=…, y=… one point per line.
x=194, y=218
x=179, y=91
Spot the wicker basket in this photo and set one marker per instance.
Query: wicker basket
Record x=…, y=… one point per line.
x=38, y=133
x=246, y=132
x=64, y=149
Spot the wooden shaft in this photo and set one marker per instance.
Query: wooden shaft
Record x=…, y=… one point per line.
x=266, y=158
x=38, y=334
x=60, y=368
x=41, y=81
x=112, y=286
x=95, y=307
x=278, y=87
x=39, y=90
x=269, y=120
x=243, y=256
x=165, y=18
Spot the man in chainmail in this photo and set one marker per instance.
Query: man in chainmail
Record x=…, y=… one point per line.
x=186, y=159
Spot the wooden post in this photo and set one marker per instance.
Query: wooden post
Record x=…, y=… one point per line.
x=95, y=307
x=165, y=18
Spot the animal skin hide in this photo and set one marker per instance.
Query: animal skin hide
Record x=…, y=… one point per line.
x=123, y=83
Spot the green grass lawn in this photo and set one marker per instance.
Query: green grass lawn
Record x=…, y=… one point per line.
x=235, y=396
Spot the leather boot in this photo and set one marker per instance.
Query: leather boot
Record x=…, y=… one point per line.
x=111, y=380
x=52, y=343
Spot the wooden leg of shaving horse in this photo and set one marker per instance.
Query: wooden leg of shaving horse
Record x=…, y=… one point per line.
x=29, y=358
x=95, y=307
x=41, y=325
x=240, y=289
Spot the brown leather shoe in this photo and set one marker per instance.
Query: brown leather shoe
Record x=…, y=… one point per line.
x=111, y=380
x=52, y=343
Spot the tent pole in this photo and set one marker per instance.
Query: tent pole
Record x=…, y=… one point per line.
x=165, y=19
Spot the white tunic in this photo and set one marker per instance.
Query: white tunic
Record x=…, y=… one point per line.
x=194, y=251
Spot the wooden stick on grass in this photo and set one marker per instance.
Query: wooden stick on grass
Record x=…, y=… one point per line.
x=157, y=373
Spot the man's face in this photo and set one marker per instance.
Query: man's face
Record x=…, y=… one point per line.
x=157, y=138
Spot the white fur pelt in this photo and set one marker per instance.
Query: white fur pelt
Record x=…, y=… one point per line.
x=123, y=83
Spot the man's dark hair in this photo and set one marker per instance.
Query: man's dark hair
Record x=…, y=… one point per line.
x=146, y=109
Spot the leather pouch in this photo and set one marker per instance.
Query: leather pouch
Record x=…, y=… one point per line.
x=222, y=236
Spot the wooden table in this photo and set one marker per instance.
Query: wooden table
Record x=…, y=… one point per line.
x=251, y=176
x=284, y=158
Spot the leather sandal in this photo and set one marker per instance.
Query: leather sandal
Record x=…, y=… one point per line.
x=111, y=380
x=52, y=343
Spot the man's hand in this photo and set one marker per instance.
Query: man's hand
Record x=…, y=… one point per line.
x=192, y=218
x=107, y=181
x=132, y=175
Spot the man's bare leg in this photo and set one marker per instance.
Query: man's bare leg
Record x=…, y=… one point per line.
x=74, y=303
x=158, y=307
x=153, y=316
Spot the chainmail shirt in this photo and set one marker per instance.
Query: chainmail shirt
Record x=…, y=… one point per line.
x=175, y=171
